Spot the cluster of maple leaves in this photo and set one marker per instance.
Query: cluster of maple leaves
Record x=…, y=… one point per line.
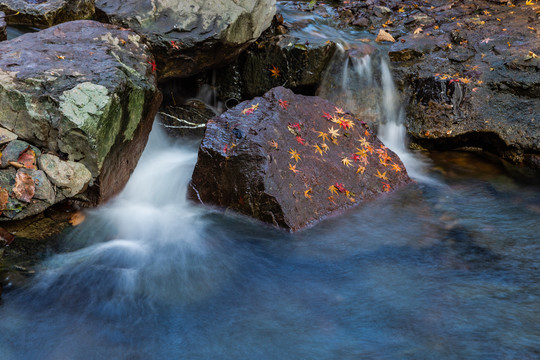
x=359, y=158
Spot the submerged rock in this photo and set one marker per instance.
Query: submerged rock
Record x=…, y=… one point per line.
x=46, y=13
x=84, y=94
x=291, y=160
x=191, y=35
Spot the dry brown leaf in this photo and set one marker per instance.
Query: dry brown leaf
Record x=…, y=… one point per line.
x=384, y=36
x=28, y=158
x=6, y=236
x=4, y=197
x=24, y=188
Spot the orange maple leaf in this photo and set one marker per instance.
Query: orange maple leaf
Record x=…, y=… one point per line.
x=275, y=71
x=293, y=168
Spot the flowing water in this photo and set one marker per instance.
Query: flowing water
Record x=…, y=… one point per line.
x=447, y=269
x=447, y=272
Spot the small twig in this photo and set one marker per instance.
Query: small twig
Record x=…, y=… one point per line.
x=189, y=125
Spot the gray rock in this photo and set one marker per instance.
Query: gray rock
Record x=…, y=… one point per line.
x=83, y=90
x=189, y=36
x=46, y=13
x=6, y=136
x=44, y=188
x=70, y=175
x=14, y=149
x=7, y=178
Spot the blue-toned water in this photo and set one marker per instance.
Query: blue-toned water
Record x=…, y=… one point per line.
x=446, y=271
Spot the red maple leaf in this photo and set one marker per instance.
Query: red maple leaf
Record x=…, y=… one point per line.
x=355, y=157
x=225, y=148
x=327, y=115
x=340, y=187
x=301, y=140
x=283, y=103
x=153, y=63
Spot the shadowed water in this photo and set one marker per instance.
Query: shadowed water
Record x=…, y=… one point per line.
x=443, y=272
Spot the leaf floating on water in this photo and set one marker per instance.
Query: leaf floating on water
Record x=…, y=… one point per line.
x=24, y=188
x=28, y=158
x=77, y=218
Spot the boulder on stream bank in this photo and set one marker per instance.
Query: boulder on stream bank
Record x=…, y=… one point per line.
x=77, y=102
x=46, y=13
x=469, y=71
x=189, y=36
x=291, y=160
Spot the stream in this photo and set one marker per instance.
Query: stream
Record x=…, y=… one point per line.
x=445, y=269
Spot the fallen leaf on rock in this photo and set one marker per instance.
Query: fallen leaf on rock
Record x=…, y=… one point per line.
x=28, y=158
x=77, y=218
x=275, y=71
x=25, y=187
x=384, y=36
x=4, y=197
x=530, y=56
x=16, y=164
x=418, y=31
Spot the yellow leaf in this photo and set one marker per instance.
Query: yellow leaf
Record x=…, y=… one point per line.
x=333, y=189
x=324, y=147
x=322, y=135
x=360, y=169
x=294, y=155
x=400, y=10
x=333, y=132
x=418, y=31
x=307, y=193
x=346, y=162
x=381, y=176
x=318, y=149
x=273, y=144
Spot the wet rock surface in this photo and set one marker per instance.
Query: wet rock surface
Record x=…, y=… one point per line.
x=291, y=160
x=193, y=35
x=77, y=102
x=468, y=70
x=46, y=13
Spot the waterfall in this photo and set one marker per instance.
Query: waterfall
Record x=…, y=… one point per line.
x=359, y=80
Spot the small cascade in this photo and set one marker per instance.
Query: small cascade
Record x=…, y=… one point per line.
x=359, y=80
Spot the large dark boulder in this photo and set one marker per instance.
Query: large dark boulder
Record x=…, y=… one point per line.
x=46, y=13
x=291, y=160
x=77, y=102
x=471, y=79
x=189, y=36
